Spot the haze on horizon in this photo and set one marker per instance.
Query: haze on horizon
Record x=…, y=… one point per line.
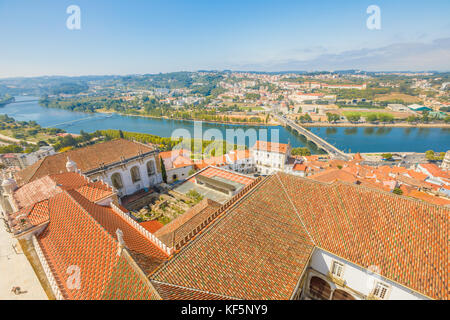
x=142, y=37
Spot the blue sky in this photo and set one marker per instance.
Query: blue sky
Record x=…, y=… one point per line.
x=151, y=36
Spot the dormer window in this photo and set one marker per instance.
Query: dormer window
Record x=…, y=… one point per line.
x=337, y=269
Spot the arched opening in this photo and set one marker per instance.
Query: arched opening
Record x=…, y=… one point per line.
x=116, y=180
x=339, y=294
x=135, y=174
x=319, y=288
x=151, y=168
x=174, y=177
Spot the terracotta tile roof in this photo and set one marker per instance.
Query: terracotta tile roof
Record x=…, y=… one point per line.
x=28, y=217
x=182, y=161
x=239, y=155
x=271, y=147
x=180, y=228
x=435, y=171
x=94, y=191
x=225, y=174
x=357, y=156
x=74, y=238
x=429, y=198
x=36, y=191
x=152, y=226
x=259, y=247
x=413, y=182
x=174, y=153
x=147, y=252
x=30, y=197
x=254, y=251
x=332, y=175
x=87, y=158
x=359, y=224
x=299, y=167
x=173, y=292
x=417, y=175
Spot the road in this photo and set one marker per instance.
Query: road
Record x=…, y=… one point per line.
x=321, y=143
x=14, y=140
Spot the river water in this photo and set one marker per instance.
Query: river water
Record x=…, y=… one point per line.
x=351, y=139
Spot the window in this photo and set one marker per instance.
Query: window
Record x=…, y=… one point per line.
x=150, y=168
x=135, y=175
x=116, y=180
x=337, y=269
x=380, y=290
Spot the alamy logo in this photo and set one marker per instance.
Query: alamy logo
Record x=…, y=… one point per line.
x=374, y=20
x=74, y=20
x=74, y=279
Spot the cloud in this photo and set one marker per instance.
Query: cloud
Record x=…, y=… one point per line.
x=412, y=56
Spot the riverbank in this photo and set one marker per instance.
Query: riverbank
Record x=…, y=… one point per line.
x=259, y=124
x=368, y=125
x=348, y=139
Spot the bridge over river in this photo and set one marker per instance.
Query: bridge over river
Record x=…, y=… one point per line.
x=334, y=152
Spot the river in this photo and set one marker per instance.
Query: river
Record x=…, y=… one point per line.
x=348, y=139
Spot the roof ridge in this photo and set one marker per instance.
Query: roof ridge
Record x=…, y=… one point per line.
x=295, y=209
x=193, y=289
x=370, y=188
x=68, y=192
x=35, y=170
x=213, y=222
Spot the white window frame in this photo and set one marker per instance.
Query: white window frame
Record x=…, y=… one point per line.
x=342, y=268
x=379, y=286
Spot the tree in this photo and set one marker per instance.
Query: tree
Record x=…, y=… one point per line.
x=397, y=191
x=354, y=117
x=412, y=119
x=163, y=170
x=384, y=117
x=372, y=117
x=121, y=136
x=12, y=148
x=387, y=156
x=332, y=117
x=301, y=152
x=194, y=195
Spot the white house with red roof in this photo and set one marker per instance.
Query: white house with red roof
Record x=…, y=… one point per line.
x=177, y=163
x=270, y=157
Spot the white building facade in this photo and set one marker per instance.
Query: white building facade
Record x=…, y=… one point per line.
x=330, y=277
x=269, y=157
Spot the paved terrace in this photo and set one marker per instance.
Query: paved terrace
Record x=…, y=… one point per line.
x=321, y=143
x=16, y=271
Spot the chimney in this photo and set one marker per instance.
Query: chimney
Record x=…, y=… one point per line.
x=121, y=246
x=71, y=166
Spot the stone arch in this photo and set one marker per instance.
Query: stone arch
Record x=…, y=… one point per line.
x=319, y=288
x=339, y=294
x=151, y=168
x=135, y=174
x=116, y=180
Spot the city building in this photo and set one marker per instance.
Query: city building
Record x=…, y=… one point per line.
x=178, y=164
x=27, y=159
x=216, y=184
x=270, y=157
x=282, y=237
x=128, y=166
x=446, y=162
x=288, y=238
x=398, y=107
x=418, y=107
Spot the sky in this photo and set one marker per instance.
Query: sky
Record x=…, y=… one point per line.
x=152, y=36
